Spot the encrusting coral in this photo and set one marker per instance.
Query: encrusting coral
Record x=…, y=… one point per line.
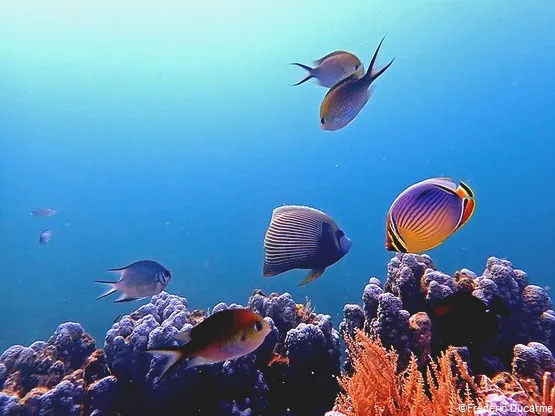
x=292, y=373
x=64, y=376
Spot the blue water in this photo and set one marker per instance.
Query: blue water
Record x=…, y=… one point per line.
x=169, y=131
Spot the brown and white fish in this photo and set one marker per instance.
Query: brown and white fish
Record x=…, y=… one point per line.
x=224, y=335
x=347, y=98
x=332, y=68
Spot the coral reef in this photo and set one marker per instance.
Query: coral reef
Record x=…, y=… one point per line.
x=396, y=318
x=393, y=364
x=292, y=373
x=65, y=376
x=378, y=387
x=398, y=313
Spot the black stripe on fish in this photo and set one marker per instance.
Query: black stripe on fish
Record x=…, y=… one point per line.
x=467, y=189
x=298, y=238
x=421, y=209
x=430, y=212
x=396, y=240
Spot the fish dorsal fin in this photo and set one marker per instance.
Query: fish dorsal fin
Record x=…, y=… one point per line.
x=445, y=184
x=465, y=191
x=329, y=55
x=313, y=275
x=184, y=336
x=351, y=78
x=289, y=208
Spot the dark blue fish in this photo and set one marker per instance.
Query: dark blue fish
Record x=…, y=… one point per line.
x=45, y=237
x=44, y=212
x=461, y=319
x=138, y=280
x=301, y=237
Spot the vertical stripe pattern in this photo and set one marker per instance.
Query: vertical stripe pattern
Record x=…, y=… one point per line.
x=293, y=239
x=426, y=214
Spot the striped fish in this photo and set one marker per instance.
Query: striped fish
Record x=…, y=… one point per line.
x=301, y=237
x=427, y=213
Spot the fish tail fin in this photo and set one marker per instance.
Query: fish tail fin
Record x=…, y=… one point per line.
x=111, y=288
x=307, y=77
x=469, y=203
x=313, y=275
x=372, y=75
x=175, y=356
x=464, y=191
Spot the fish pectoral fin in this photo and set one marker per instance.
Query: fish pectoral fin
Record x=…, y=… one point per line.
x=174, y=356
x=184, y=336
x=196, y=361
x=126, y=298
x=313, y=275
x=111, y=288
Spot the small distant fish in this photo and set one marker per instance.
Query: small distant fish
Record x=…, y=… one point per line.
x=117, y=318
x=301, y=237
x=138, y=280
x=44, y=212
x=347, y=98
x=332, y=68
x=45, y=237
x=224, y=335
x=427, y=213
x=461, y=319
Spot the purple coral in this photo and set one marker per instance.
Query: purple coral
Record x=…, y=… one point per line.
x=404, y=275
x=391, y=325
x=54, y=377
x=500, y=405
x=532, y=361
x=295, y=358
x=415, y=286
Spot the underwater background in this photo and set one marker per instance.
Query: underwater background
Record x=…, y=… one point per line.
x=170, y=131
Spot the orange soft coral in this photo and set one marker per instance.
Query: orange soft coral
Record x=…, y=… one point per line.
x=376, y=388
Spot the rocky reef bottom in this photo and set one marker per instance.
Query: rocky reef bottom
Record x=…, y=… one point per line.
x=392, y=367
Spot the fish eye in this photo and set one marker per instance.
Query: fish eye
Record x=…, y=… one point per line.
x=356, y=67
x=258, y=326
x=322, y=120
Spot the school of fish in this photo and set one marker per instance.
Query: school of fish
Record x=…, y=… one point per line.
x=422, y=217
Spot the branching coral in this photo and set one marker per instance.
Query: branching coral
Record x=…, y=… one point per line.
x=377, y=388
